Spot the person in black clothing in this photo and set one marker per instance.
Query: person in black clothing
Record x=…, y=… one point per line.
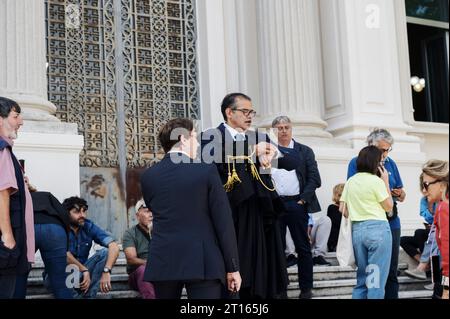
x=243, y=158
x=335, y=216
x=193, y=239
x=51, y=226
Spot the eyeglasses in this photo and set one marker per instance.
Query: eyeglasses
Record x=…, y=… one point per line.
x=246, y=112
x=426, y=185
x=386, y=150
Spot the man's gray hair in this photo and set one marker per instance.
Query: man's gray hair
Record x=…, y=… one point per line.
x=378, y=135
x=281, y=120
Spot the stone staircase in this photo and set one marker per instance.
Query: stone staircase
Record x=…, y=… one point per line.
x=330, y=282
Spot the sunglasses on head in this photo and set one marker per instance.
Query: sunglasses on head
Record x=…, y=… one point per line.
x=426, y=185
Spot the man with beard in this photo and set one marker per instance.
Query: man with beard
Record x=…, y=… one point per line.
x=95, y=272
x=244, y=158
x=16, y=208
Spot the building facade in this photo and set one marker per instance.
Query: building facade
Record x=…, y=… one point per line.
x=97, y=78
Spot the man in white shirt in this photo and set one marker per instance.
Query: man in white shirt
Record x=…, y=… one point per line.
x=297, y=190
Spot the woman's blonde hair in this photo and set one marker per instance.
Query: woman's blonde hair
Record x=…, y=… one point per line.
x=337, y=193
x=437, y=169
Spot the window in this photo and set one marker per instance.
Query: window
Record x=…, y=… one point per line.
x=428, y=9
x=428, y=49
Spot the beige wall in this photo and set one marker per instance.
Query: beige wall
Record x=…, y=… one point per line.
x=435, y=146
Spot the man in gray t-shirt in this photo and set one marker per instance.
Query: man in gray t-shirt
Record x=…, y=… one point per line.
x=136, y=242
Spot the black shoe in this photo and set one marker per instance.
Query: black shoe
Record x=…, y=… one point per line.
x=320, y=261
x=307, y=294
x=291, y=260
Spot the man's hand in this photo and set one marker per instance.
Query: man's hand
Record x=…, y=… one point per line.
x=86, y=283
x=8, y=241
x=399, y=193
x=266, y=152
x=105, y=283
x=234, y=281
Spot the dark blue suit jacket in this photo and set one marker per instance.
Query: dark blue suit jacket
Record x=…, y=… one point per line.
x=193, y=234
x=309, y=177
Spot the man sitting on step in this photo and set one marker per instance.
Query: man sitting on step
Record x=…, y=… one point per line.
x=95, y=272
x=136, y=242
x=319, y=234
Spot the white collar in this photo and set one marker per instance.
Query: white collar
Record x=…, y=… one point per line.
x=233, y=131
x=178, y=151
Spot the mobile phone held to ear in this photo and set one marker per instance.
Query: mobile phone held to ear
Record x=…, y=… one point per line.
x=378, y=171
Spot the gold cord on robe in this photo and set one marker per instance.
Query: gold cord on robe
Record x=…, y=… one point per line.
x=233, y=177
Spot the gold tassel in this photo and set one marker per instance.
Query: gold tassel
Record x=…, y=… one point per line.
x=254, y=170
x=229, y=185
x=233, y=178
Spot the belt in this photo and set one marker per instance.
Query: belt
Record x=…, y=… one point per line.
x=290, y=198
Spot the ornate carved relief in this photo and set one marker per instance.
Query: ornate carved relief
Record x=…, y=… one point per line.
x=157, y=79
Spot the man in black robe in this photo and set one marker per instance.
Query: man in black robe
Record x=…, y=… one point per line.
x=244, y=159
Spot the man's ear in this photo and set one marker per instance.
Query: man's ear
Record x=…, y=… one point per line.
x=183, y=140
x=229, y=113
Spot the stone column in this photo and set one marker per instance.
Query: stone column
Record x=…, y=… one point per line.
x=49, y=147
x=23, y=57
x=290, y=65
x=364, y=85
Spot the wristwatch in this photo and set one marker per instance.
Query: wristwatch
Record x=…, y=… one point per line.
x=106, y=270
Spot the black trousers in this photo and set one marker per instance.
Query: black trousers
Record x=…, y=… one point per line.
x=297, y=219
x=413, y=245
x=198, y=289
x=7, y=286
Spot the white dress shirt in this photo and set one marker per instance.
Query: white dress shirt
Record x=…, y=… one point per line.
x=234, y=133
x=286, y=182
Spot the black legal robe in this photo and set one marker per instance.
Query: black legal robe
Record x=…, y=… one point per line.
x=256, y=211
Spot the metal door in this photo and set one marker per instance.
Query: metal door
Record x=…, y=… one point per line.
x=120, y=69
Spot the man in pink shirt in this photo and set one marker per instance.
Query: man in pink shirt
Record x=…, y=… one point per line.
x=16, y=209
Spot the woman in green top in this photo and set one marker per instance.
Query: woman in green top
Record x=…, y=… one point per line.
x=365, y=200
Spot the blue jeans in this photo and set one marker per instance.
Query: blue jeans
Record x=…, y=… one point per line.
x=95, y=265
x=51, y=240
x=372, y=245
x=392, y=285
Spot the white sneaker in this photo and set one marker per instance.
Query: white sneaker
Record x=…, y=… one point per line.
x=416, y=273
x=429, y=287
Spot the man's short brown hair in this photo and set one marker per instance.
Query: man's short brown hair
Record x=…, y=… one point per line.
x=178, y=127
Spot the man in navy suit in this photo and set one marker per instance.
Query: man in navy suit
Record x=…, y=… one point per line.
x=194, y=242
